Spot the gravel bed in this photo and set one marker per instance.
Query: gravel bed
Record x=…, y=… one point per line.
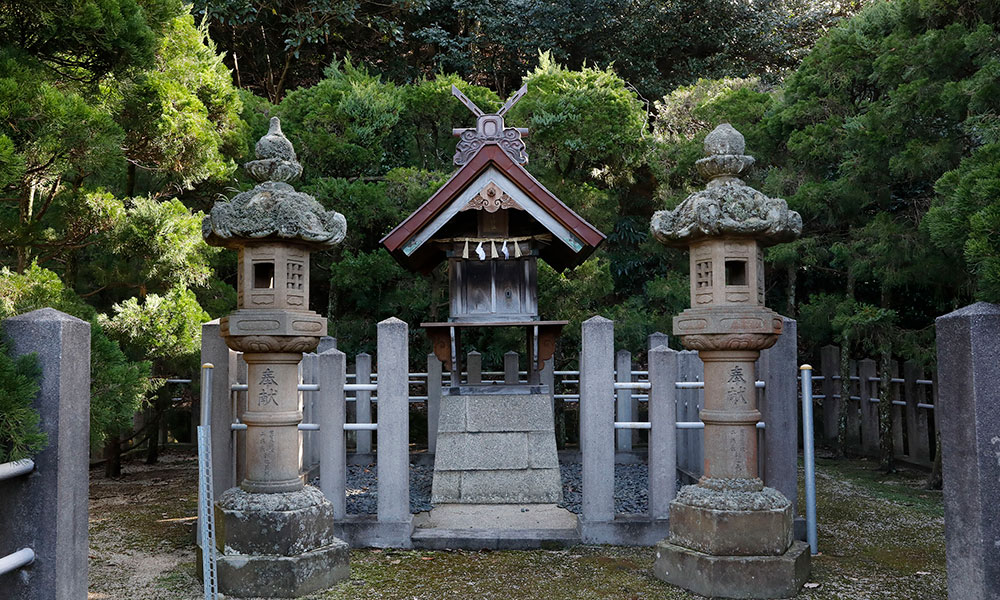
x=631, y=483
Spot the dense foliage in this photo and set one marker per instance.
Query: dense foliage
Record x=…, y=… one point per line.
x=20, y=433
x=278, y=45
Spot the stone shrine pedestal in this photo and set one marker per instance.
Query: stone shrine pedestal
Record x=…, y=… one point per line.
x=496, y=445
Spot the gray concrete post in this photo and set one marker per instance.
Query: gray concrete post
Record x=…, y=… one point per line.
x=393, y=422
x=968, y=349
x=474, y=368
x=829, y=368
x=780, y=413
x=853, y=438
x=548, y=379
x=433, y=400
x=511, y=368
x=331, y=413
x=916, y=417
x=690, y=368
x=326, y=343
x=895, y=394
x=240, y=437
x=214, y=350
x=869, y=409
x=310, y=362
x=662, y=431
x=46, y=510
x=363, y=402
x=623, y=370
x=657, y=339
x=597, y=417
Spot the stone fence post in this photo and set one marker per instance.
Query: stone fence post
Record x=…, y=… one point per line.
x=663, y=431
x=829, y=366
x=779, y=371
x=433, y=400
x=214, y=350
x=689, y=403
x=597, y=419
x=46, y=510
x=624, y=412
x=330, y=412
x=474, y=369
x=657, y=339
x=511, y=374
x=363, y=402
x=968, y=349
x=393, y=422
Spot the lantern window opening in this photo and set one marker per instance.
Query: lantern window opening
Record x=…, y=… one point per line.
x=263, y=275
x=703, y=273
x=736, y=272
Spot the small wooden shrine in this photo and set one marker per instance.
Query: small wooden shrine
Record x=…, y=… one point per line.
x=492, y=221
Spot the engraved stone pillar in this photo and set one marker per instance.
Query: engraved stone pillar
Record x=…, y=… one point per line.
x=272, y=417
x=275, y=534
x=730, y=536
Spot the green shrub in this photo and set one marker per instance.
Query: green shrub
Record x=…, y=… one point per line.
x=20, y=433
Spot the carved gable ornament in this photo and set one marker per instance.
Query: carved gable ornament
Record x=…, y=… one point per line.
x=491, y=199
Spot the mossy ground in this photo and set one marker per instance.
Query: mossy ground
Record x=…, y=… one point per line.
x=881, y=537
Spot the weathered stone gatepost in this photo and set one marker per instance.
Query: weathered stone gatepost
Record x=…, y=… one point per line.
x=730, y=536
x=275, y=534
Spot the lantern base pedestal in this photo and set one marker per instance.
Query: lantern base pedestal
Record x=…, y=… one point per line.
x=733, y=576
x=278, y=545
x=732, y=538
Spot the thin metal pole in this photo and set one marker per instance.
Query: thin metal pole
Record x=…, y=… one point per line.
x=206, y=493
x=809, y=456
x=206, y=393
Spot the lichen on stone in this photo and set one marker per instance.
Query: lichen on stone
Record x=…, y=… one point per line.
x=727, y=206
x=273, y=210
x=732, y=499
x=238, y=499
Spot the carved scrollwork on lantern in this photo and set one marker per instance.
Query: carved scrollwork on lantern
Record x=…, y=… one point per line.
x=491, y=199
x=729, y=341
x=272, y=343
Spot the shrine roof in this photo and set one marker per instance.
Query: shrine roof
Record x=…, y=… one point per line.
x=560, y=254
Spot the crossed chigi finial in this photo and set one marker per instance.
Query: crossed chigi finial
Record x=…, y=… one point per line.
x=490, y=129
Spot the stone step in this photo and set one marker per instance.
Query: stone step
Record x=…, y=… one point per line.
x=437, y=538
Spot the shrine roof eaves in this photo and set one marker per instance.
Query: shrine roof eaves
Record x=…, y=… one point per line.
x=486, y=156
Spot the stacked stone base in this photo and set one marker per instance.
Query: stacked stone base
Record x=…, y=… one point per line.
x=278, y=545
x=733, y=576
x=732, y=539
x=496, y=445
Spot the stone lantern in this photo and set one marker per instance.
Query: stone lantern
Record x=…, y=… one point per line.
x=276, y=533
x=730, y=536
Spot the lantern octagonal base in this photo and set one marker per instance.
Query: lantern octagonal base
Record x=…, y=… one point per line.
x=779, y=576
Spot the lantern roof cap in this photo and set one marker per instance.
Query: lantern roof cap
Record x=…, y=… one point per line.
x=727, y=206
x=273, y=211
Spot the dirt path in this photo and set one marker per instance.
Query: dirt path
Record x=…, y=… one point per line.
x=881, y=537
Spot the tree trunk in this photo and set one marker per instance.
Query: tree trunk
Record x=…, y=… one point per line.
x=845, y=396
x=113, y=457
x=887, y=452
x=935, y=481
x=153, y=443
x=793, y=272
x=130, y=180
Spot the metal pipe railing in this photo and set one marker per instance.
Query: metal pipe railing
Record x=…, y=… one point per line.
x=16, y=560
x=16, y=468
x=809, y=457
